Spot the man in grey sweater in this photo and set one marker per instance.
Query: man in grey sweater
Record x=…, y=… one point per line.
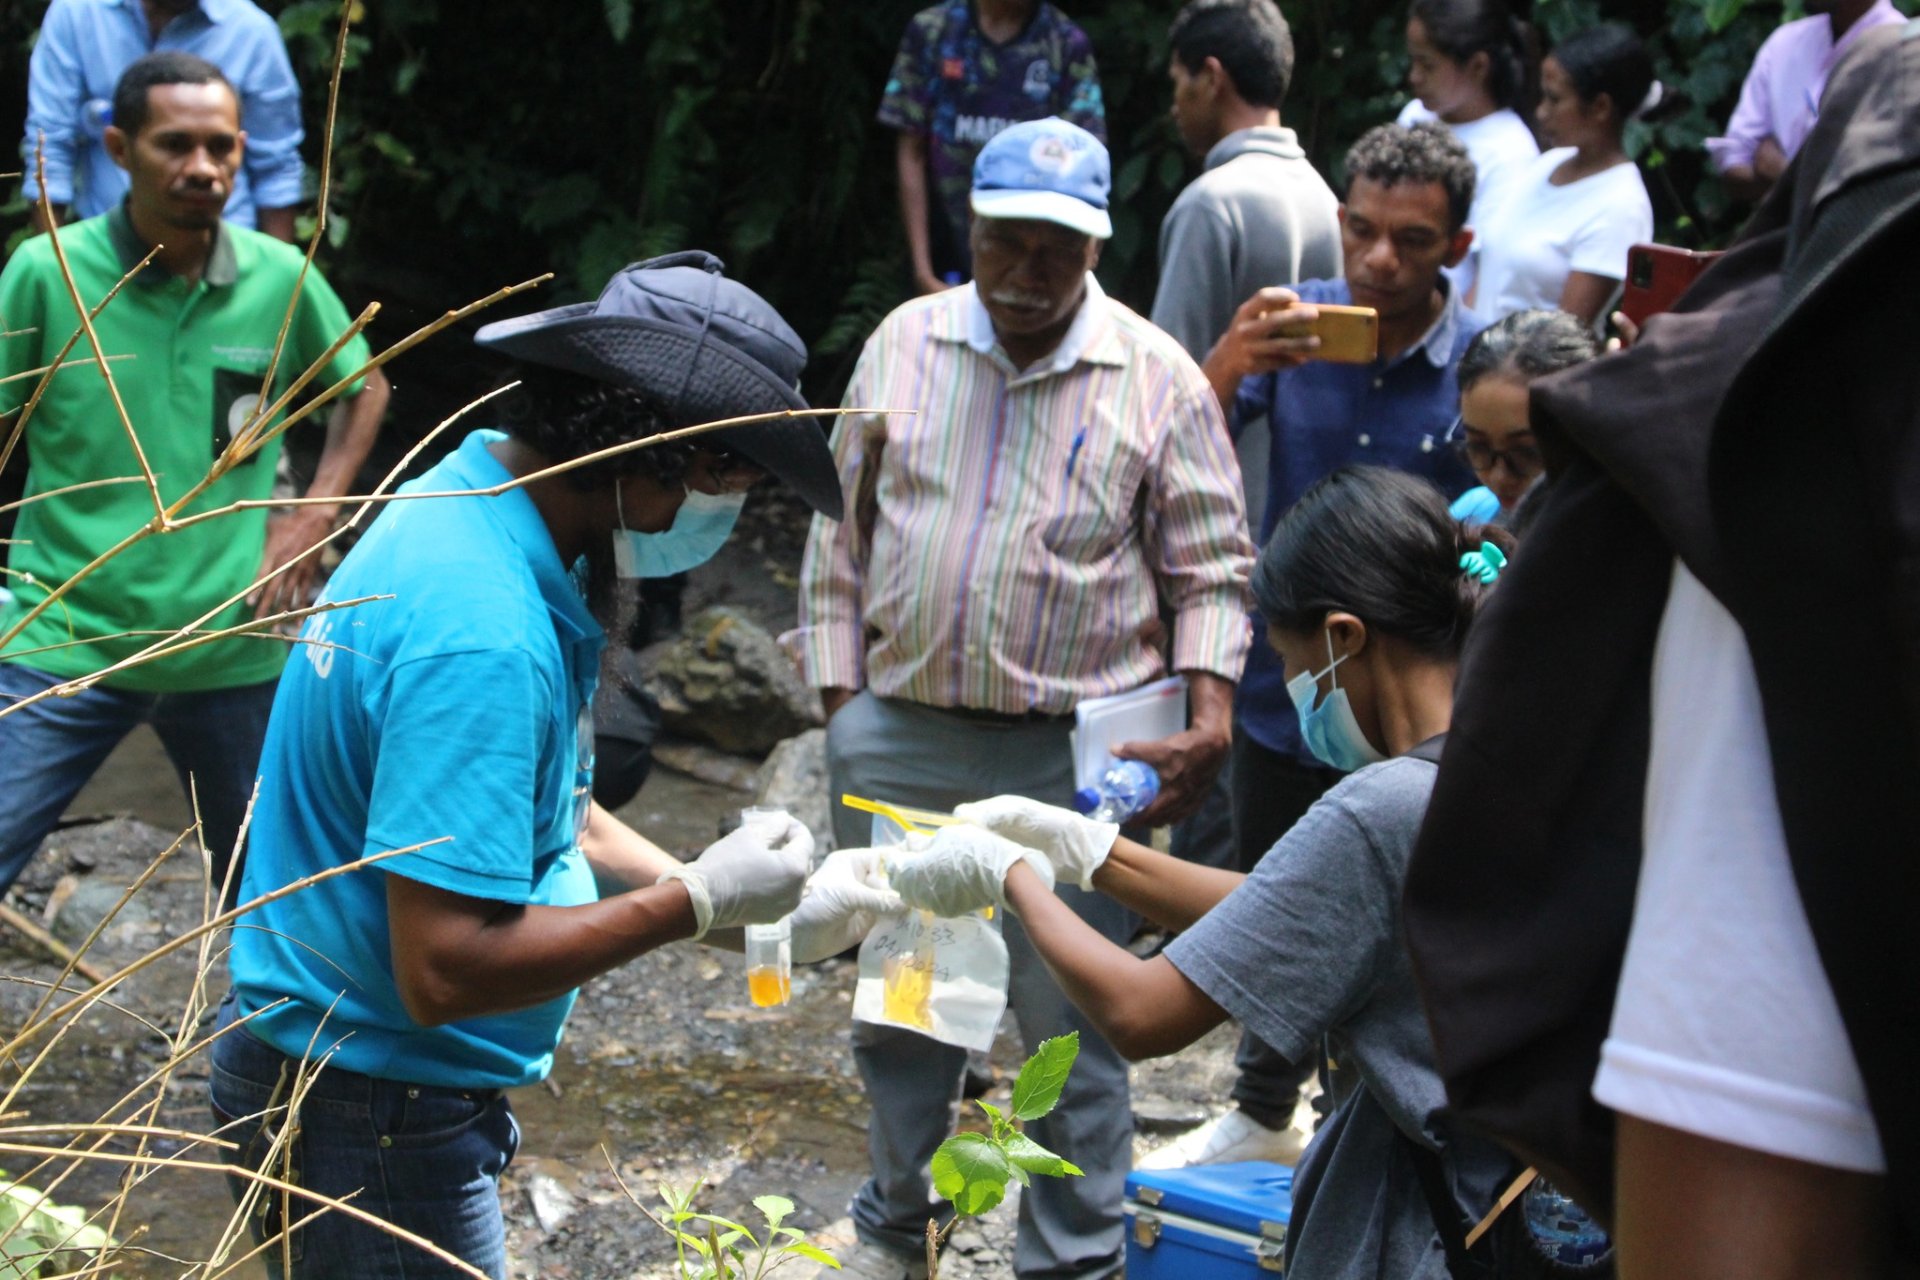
x=1260, y=214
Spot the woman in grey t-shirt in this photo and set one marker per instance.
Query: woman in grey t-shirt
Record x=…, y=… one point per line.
x=1367, y=587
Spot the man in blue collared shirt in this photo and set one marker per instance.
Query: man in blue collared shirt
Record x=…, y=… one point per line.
x=83, y=48
x=1403, y=220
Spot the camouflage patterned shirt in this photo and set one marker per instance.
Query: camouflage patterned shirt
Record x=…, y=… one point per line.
x=958, y=88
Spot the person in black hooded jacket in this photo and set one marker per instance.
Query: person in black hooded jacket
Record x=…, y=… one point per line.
x=1753, y=464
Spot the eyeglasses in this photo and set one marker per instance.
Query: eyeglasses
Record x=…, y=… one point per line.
x=1521, y=460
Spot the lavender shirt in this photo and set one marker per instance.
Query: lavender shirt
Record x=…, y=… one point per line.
x=1781, y=98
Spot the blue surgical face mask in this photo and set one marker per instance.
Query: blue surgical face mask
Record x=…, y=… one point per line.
x=1330, y=730
x=699, y=528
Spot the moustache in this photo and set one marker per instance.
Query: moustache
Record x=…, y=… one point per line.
x=1020, y=298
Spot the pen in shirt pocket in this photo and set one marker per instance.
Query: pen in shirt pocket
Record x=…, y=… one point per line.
x=1073, y=454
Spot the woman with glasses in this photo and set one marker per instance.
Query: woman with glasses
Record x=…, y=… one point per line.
x=1492, y=434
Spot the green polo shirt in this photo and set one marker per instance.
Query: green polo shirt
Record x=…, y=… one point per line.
x=195, y=356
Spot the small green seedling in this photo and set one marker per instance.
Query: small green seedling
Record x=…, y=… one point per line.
x=972, y=1169
x=41, y=1238
x=725, y=1250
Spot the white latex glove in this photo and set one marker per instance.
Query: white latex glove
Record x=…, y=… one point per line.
x=749, y=877
x=843, y=901
x=1076, y=846
x=962, y=869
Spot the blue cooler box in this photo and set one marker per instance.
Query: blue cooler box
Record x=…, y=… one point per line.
x=1210, y=1222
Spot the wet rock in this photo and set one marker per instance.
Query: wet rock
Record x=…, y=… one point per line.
x=706, y=764
x=1153, y=1114
x=87, y=903
x=966, y=1241
x=726, y=682
x=552, y=1203
x=794, y=778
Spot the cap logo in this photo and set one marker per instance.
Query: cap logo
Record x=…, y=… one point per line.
x=1050, y=155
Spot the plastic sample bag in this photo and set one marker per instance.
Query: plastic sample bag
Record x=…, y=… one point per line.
x=945, y=978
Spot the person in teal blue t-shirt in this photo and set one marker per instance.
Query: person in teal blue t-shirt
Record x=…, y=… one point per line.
x=449, y=717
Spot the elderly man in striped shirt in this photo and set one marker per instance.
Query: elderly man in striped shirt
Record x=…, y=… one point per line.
x=1009, y=546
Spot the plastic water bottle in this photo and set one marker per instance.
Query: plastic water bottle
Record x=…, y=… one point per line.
x=1561, y=1230
x=1125, y=789
x=769, y=946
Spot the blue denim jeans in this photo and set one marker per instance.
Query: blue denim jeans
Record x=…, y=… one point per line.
x=426, y=1159
x=50, y=749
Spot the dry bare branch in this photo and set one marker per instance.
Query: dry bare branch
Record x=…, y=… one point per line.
x=93, y=338
x=46, y=372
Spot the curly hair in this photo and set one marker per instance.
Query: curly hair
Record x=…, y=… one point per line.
x=1390, y=154
x=564, y=416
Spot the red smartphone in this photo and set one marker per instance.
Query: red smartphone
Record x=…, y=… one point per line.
x=1657, y=274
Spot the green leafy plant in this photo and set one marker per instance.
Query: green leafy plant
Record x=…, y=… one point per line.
x=710, y=1247
x=41, y=1238
x=972, y=1169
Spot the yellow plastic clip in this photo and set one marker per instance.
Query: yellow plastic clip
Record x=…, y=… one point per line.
x=922, y=820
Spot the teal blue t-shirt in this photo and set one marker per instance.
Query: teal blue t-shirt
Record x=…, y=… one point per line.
x=458, y=708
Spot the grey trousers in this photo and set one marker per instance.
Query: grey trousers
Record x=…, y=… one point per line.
x=887, y=749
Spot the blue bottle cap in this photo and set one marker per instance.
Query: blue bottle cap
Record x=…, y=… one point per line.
x=1086, y=800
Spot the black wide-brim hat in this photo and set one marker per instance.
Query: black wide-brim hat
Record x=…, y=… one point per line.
x=704, y=347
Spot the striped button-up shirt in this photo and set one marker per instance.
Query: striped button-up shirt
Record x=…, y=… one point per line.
x=1010, y=541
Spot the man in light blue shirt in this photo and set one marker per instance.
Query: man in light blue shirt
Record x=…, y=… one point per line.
x=83, y=48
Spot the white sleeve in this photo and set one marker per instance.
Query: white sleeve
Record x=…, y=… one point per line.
x=1623, y=219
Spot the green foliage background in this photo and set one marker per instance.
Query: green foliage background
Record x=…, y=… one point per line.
x=482, y=141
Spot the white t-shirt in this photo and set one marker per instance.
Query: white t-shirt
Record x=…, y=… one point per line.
x=1500, y=146
x=1725, y=1024
x=1541, y=233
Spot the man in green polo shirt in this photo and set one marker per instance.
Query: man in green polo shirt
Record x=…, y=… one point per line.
x=189, y=341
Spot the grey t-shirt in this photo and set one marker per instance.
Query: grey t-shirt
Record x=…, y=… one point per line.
x=1310, y=948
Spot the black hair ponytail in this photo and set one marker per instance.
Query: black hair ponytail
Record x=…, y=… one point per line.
x=1379, y=544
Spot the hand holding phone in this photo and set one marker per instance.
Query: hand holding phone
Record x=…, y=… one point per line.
x=1346, y=335
x=1254, y=342
x=1657, y=274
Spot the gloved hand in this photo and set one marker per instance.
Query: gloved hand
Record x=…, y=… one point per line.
x=1076, y=846
x=746, y=878
x=844, y=900
x=962, y=869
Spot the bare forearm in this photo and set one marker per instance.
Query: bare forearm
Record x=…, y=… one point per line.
x=1223, y=376
x=521, y=956
x=1584, y=294
x=910, y=161
x=621, y=857
x=277, y=223
x=37, y=217
x=1169, y=891
x=1210, y=702
x=1145, y=1008
x=352, y=428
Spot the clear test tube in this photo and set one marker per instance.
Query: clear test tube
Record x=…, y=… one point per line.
x=769, y=946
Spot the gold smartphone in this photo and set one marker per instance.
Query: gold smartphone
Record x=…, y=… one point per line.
x=1348, y=335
